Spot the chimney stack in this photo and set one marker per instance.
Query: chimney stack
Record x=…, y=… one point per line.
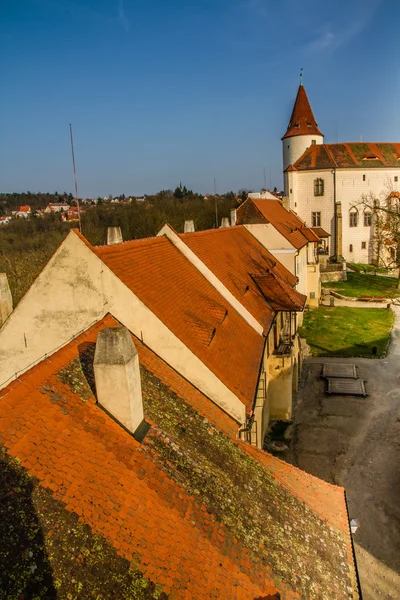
x=285, y=202
x=6, y=303
x=117, y=377
x=189, y=227
x=233, y=217
x=224, y=222
x=114, y=236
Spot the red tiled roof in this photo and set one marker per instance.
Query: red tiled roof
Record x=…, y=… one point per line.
x=302, y=121
x=176, y=292
x=280, y=295
x=286, y=222
x=364, y=155
x=234, y=255
x=25, y=208
x=139, y=497
x=321, y=233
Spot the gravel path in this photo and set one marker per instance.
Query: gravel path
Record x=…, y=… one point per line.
x=355, y=442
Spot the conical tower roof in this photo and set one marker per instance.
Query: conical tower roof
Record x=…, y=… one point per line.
x=302, y=120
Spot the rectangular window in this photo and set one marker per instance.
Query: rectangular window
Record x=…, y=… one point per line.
x=353, y=219
x=316, y=219
x=364, y=177
x=396, y=178
x=363, y=245
x=313, y=142
x=367, y=219
x=351, y=248
x=318, y=187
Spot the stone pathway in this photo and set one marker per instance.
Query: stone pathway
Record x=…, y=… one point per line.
x=355, y=442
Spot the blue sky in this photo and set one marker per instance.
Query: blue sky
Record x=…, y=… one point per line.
x=165, y=91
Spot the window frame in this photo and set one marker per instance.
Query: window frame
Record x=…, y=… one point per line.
x=367, y=218
x=319, y=187
x=316, y=219
x=353, y=218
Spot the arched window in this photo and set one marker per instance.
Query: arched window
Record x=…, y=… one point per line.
x=353, y=217
x=318, y=187
x=367, y=218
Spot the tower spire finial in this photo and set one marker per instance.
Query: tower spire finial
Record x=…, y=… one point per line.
x=301, y=76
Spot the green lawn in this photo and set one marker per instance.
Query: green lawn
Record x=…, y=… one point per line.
x=358, y=284
x=359, y=267
x=343, y=331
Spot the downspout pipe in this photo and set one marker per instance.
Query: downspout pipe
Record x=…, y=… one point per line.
x=353, y=549
x=335, y=214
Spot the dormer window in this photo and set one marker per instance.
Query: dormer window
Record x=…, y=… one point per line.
x=297, y=125
x=318, y=187
x=371, y=157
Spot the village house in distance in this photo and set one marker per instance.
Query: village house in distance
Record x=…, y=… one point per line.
x=137, y=382
x=337, y=186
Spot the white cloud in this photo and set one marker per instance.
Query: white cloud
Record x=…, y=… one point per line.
x=122, y=15
x=334, y=36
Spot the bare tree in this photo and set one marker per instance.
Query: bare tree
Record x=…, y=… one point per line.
x=382, y=213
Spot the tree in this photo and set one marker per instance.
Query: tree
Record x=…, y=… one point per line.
x=383, y=216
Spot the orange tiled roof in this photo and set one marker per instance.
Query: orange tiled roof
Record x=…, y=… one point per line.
x=176, y=292
x=280, y=295
x=364, y=155
x=25, y=208
x=321, y=233
x=234, y=255
x=286, y=222
x=162, y=504
x=302, y=120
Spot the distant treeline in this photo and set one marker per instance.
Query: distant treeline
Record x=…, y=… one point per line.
x=27, y=244
x=10, y=202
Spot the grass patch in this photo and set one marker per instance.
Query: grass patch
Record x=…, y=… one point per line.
x=359, y=267
x=343, y=331
x=358, y=285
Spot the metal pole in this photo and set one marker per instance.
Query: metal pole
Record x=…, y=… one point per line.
x=216, y=203
x=76, y=182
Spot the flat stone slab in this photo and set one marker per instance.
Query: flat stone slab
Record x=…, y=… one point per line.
x=339, y=370
x=346, y=386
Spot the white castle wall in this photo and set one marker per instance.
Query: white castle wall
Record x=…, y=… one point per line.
x=350, y=190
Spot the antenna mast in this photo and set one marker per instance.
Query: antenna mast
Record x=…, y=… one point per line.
x=76, y=182
x=216, y=203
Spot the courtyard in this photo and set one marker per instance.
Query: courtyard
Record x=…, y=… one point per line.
x=355, y=442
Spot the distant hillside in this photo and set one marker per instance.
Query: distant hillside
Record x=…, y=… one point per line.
x=10, y=202
x=27, y=244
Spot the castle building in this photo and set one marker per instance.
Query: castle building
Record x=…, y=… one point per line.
x=334, y=186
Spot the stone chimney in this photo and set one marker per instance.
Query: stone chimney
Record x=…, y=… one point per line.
x=6, y=303
x=285, y=202
x=225, y=222
x=114, y=236
x=189, y=227
x=233, y=217
x=117, y=377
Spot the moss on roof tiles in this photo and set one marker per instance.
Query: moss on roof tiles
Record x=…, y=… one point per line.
x=278, y=529
x=47, y=553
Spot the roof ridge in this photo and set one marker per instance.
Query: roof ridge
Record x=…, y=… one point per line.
x=125, y=242
x=331, y=156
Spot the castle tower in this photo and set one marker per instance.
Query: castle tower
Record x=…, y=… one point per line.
x=302, y=130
